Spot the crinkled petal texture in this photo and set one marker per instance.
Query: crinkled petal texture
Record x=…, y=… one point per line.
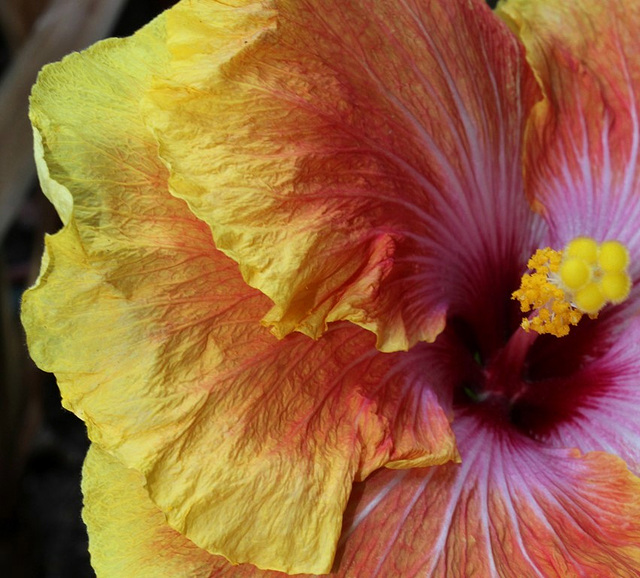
x=360, y=160
x=583, y=139
x=512, y=508
x=247, y=443
x=129, y=535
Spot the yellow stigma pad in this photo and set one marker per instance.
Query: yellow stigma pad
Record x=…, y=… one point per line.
x=564, y=285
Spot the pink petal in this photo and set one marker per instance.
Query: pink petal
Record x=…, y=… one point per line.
x=583, y=141
x=511, y=508
x=599, y=401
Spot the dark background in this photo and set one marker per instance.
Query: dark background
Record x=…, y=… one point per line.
x=42, y=446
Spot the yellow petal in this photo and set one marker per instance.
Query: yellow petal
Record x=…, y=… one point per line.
x=248, y=444
x=129, y=535
x=355, y=158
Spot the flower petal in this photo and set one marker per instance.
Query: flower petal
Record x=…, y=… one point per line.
x=360, y=160
x=248, y=444
x=128, y=534
x=583, y=139
x=599, y=395
x=511, y=508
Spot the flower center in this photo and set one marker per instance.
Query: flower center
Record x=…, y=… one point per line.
x=562, y=286
x=528, y=380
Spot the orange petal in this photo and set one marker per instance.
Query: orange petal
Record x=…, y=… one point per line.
x=583, y=140
x=248, y=444
x=511, y=508
x=360, y=160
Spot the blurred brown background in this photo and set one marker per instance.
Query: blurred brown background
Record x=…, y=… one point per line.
x=41, y=445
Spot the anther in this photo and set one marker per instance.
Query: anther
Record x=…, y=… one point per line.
x=564, y=285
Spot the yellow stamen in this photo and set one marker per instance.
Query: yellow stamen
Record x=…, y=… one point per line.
x=564, y=285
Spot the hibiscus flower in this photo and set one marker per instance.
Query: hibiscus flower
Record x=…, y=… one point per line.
x=283, y=296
